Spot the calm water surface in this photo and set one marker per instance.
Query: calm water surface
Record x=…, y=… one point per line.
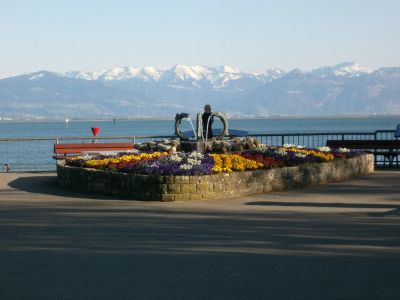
x=38, y=155
x=166, y=127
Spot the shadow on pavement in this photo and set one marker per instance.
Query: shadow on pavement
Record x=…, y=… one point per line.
x=103, y=252
x=48, y=185
x=324, y=204
x=133, y=250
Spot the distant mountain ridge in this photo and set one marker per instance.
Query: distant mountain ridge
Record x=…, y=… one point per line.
x=346, y=88
x=180, y=75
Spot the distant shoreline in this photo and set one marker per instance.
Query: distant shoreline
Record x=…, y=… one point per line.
x=356, y=116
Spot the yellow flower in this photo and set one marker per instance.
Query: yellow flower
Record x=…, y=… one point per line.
x=106, y=162
x=323, y=155
x=233, y=162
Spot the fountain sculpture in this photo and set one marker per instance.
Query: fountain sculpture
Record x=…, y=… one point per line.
x=198, y=141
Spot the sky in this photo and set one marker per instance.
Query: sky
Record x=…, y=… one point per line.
x=253, y=35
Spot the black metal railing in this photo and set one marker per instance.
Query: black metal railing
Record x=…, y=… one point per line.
x=315, y=140
x=35, y=154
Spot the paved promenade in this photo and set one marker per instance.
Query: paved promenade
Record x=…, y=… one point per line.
x=335, y=241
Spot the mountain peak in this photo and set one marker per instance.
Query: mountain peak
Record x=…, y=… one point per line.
x=228, y=69
x=350, y=69
x=184, y=72
x=40, y=74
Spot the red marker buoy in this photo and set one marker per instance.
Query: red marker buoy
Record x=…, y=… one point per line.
x=95, y=130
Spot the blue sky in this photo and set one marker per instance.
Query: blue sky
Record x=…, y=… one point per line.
x=253, y=35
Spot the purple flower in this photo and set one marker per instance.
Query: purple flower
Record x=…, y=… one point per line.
x=172, y=166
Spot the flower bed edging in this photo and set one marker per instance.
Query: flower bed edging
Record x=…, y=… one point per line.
x=177, y=188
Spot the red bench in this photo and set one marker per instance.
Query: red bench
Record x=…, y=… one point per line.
x=63, y=151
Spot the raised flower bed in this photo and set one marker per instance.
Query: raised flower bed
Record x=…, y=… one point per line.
x=167, y=176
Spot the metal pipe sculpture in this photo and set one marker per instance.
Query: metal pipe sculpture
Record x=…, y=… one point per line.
x=199, y=133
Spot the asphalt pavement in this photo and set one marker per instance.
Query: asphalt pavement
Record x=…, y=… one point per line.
x=333, y=241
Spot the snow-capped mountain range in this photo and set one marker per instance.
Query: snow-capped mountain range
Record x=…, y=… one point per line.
x=180, y=76
x=346, y=88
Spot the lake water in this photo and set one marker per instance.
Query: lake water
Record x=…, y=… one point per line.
x=36, y=155
x=166, y=127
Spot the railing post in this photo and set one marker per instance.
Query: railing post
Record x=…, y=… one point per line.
x=283, y=140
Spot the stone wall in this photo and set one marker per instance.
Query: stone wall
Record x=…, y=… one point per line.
x=177, y=188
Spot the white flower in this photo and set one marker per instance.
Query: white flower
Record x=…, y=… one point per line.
x=280, y=152
x=133, y=151
x=300, y=155
x=175, y=158
x=289, y=146
x=343, y=150
x=292, y=146
x=196, y=155
x=324, y=149
x=87, y=156
x=193, y=162
x=108, y=153
x=185, y=167
x=262, y=147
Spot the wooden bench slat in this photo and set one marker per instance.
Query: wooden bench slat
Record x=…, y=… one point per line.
x=67, y=150
x=92, y=146
x=364, y=144
x=389, y=149
x=79, y=150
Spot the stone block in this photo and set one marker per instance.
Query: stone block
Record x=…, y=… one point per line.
x=158, y=188
x=164, y=188
x=188, y=188
x=168, y=179
x=210, y=195
x=197, y=196
x=155, y=179
x=267, y=187
x=202, y=187
x=194, y=179
x=174, y=188
x=167, y=198
x=205, y=178
x=182, y=197
x=182, y=179
x=218, y=186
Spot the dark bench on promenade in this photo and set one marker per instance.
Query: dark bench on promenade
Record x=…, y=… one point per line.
x=389, y=149
x=63, y=151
